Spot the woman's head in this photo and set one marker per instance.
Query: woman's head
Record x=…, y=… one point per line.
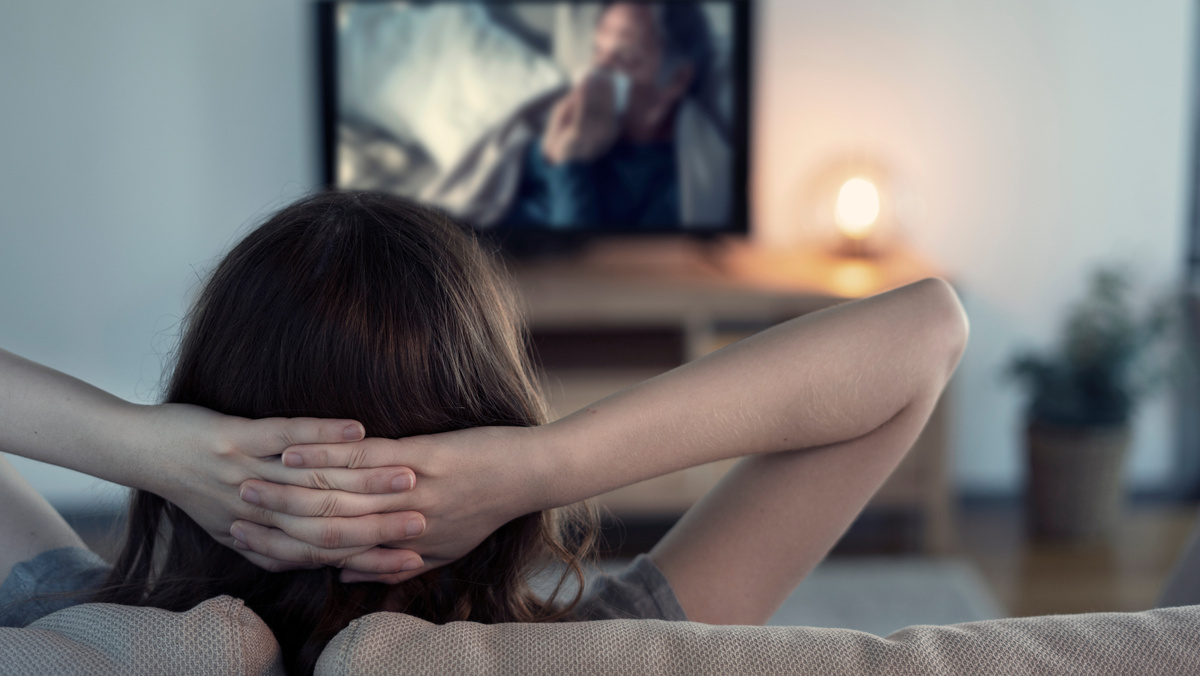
x=358, y=305
x=363, y=306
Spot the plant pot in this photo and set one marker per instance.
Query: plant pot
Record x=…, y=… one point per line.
x=1076, y=484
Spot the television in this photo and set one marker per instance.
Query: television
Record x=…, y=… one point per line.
x=543, y=119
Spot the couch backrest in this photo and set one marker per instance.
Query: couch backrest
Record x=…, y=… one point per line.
x=1165, y=641
x=221, y=637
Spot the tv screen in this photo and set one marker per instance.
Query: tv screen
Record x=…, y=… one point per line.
x=573, y=117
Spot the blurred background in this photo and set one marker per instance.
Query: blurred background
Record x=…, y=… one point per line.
x=1041, y=140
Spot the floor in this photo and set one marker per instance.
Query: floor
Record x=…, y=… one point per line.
x=1124, y=573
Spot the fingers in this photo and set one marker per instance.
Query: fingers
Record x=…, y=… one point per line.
x=272, y=565
x=299, y=501
x=277, y=548
x=365, y=453
x=368, y=480
x=391, y=565
x=270, y=436
x=357, y=531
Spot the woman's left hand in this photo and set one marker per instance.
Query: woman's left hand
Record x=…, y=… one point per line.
x=203, y=458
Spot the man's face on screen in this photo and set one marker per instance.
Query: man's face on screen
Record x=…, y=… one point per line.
x=626, y=40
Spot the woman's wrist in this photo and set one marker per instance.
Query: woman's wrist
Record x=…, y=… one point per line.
x=563, y=466
x=123, y=448
x=150, y=443
x=547, y=474
x=177, y=448
x=171, y=449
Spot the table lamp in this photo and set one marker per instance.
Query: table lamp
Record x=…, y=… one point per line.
x=851, y=208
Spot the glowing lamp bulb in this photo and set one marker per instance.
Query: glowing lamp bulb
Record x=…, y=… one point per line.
x=857, y=208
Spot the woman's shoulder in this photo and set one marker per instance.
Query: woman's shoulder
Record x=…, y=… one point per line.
x=639, y=591
x=53, y=580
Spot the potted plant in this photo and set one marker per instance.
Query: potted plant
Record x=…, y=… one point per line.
x=1083, y=395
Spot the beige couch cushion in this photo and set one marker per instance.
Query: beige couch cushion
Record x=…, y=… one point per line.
x=1165, y=641
x=221, y=637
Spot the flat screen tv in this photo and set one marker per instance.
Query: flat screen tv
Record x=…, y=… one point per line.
x=543, y=118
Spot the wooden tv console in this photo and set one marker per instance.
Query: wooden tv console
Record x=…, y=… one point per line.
x=626, y=310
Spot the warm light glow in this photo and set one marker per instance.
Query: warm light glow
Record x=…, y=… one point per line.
x=857, y=208
x=855, y=279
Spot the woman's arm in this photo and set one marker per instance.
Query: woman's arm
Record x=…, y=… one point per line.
x=826, y=406
x=192, y=456
x=820, y=379
x=828, y=403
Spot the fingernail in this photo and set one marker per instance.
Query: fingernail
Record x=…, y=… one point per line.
x=293, y=459
x=240, y=545
x=414, y=527
x=250, y=495
x=237, y=534
x=402, y=482
x=352, y=432
x=411, y=564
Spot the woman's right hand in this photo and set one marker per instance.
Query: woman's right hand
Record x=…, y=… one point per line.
x=469, y=482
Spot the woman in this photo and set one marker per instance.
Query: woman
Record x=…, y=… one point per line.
x=364, y=307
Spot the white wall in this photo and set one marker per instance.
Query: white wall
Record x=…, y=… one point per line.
x=139, y=137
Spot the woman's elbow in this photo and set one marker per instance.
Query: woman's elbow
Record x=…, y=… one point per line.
x=946, y=322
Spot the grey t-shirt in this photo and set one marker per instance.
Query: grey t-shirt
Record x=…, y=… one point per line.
x=640, y=591
x=50, y=581
x=63, y=577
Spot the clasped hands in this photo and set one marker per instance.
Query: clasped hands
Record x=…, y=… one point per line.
x=291, y=493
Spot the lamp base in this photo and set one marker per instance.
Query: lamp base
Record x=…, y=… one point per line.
x=857, y=248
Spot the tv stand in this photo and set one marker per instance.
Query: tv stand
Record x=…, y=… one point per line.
x=621, y=311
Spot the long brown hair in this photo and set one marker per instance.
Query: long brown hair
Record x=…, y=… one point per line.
x=362, y=306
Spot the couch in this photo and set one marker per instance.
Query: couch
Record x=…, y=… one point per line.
x=222, y=636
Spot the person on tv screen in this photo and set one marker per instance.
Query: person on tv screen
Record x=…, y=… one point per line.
x=607, y=155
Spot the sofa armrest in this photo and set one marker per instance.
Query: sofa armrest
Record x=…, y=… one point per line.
x=1157, y=641
x=221, y=636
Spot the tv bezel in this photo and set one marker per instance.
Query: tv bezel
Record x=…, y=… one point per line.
x=740, y=73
